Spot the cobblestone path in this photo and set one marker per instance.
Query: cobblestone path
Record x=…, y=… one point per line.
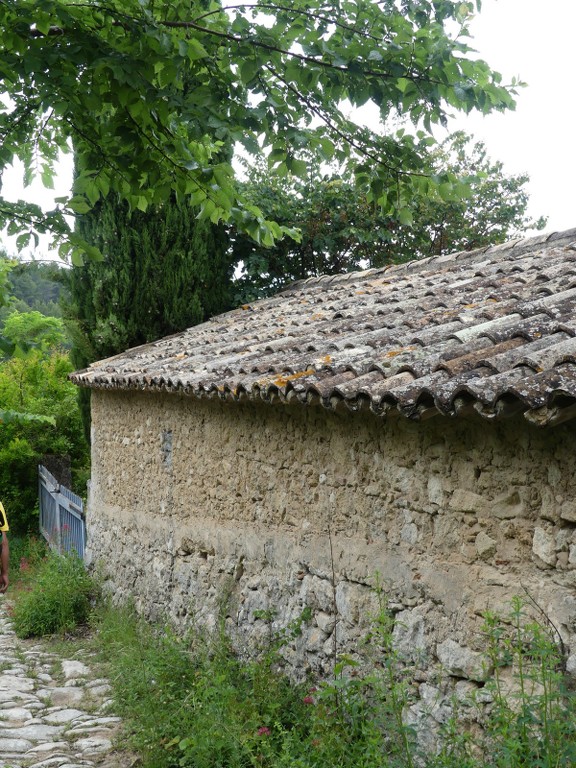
x=54, y=712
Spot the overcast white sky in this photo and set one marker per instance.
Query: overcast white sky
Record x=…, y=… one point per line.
x=533, y=40
x=527, y=39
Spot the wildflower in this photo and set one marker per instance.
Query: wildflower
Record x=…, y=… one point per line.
x=308, y=700
x=264, y=731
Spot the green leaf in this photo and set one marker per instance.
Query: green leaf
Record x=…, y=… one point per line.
x=405, y=217
x=78, y=204
x=298, y=168
x=249, y=68
x=446, y=191
x=196, y=50
x=142, y=203
x=402, y=84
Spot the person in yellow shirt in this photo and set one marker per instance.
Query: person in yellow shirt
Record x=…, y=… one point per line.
x=5, y=552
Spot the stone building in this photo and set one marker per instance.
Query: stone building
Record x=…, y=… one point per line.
x=411, y=425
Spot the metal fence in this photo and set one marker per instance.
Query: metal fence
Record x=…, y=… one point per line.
x=61, y=515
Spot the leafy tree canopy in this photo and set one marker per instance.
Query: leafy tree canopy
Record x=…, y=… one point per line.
x=5, y=266
x=149, y=92
x=33, y=329
x=39, y=412
x=342, y=230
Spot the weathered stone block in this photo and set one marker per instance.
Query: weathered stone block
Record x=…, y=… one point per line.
x=409, y=533
x=549, y=507
x=544, y=546
x=508, y=506
x=462, y=662
x=435, y=490
x=485, y=546
x=571, y=665
x=467, y=501
x=568, y=511
x=408, y=635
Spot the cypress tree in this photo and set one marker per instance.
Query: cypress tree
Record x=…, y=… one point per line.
x=163, y=271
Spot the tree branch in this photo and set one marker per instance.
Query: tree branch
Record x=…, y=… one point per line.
x=340, y=133
x=257, y=44
x=296, y=12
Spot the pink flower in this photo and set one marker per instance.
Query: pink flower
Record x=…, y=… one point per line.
x=308, y=700
x=264, y=731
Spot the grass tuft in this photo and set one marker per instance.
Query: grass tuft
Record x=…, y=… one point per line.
x=55, y=598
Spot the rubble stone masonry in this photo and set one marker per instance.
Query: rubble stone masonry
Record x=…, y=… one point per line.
x=201, y=510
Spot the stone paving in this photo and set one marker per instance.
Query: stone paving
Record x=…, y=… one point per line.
x=54, y=712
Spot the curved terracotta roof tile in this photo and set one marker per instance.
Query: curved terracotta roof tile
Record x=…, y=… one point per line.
x=491, y=331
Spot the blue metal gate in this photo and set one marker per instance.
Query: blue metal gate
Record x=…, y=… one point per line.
x=61, y=515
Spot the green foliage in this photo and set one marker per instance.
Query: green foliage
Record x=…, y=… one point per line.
x=36, y=286
x=162, y=272
x=5, y=267
x=59, y=598
x=26, y=555
x=493, y=211
x=39, y=415
x=533, y=720
x=148, y=93
x=191, y=703
x=342, y=231
x=33, y=329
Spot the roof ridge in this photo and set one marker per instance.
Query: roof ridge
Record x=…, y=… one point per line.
x=517, y=246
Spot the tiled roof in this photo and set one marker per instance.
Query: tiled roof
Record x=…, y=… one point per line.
x=492, y=331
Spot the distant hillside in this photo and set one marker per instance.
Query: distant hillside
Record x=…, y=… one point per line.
x=37, y=286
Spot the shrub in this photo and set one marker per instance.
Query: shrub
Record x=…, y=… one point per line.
x=192, y=703
x=26, y=556
x=35, y=385
x=58, y=600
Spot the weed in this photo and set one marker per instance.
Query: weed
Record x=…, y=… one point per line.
x=26, y=554
x=59, y=598
x=532, y=721
x=191, y=702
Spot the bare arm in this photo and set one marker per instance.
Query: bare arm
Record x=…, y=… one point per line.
x=4, y=563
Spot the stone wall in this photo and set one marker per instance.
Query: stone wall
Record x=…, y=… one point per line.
x=205, y=509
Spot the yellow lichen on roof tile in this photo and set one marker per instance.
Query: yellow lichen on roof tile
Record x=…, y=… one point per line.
x=394, y=352
x=281, y=381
